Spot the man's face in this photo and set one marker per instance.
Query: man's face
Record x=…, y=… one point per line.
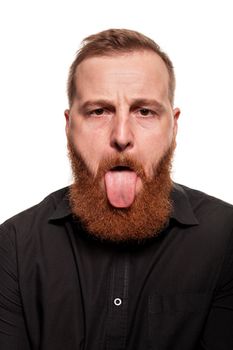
x=122, y=107
x=121, y=132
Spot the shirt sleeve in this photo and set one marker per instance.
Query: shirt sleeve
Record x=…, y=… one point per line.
x=13, y=334
x=218, y=333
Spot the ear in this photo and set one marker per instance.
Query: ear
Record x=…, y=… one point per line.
x=67, y=116
x=176, y=114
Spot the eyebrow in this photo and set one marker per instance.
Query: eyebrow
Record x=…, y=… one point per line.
x=95, y=103
x=137, y=102
x=148, y=102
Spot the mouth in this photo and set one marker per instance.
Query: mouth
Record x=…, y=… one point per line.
x=121, y=168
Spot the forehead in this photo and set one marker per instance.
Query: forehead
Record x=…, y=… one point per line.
x=134, y=73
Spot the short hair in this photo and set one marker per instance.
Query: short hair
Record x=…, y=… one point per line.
x=116, y=41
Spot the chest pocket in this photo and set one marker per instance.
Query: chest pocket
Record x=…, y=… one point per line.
x=176, y=321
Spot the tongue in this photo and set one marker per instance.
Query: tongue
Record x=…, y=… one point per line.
x=120, y=186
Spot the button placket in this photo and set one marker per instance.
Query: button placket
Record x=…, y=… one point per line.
x=116, y=331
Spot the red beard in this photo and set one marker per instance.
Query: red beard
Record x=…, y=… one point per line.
x=145, y=218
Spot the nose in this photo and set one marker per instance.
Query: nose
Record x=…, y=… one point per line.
x=122, y=138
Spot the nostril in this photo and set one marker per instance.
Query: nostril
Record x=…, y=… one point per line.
x=122, y=146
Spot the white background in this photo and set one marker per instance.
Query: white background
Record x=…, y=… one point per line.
x=37, y=45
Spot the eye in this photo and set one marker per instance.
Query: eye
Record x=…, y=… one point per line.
x=97, y=112
x=145, y=112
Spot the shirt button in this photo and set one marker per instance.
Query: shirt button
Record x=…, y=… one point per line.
x=117, y=301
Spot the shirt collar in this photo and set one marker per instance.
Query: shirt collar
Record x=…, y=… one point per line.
x=62, y=209
x=182, y=209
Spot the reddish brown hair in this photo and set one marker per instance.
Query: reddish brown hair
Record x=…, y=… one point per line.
x=116, y=41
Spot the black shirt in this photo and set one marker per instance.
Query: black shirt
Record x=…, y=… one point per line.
x=62, y=289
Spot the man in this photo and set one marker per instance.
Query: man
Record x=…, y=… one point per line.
x=124, y=258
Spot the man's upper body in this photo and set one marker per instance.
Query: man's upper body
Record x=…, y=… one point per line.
x=123, y=258
x=64, y=289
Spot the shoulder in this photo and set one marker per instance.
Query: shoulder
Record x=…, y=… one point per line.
x=210, y=239
x=212, y=214
x=201, y=201
x=37, y=215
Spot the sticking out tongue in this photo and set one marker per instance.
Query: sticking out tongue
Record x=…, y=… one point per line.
x=120, y=187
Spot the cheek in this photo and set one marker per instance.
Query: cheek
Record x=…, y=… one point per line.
x=153, y=147
x=90, y=145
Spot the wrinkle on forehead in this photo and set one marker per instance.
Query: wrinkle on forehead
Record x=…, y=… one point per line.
x=133, y=75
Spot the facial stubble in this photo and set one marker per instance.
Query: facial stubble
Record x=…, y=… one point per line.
x=145, y=218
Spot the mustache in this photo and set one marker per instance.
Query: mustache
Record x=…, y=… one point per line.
x=107, y=163
x=120, y=162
